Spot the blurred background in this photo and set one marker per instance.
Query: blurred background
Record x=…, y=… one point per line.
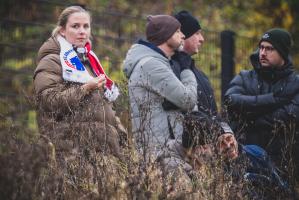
x=231, y=29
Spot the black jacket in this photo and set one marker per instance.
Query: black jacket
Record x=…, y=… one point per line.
x=264, y=105
x=205, y=94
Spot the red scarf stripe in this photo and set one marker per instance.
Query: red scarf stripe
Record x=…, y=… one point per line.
x=97, y=67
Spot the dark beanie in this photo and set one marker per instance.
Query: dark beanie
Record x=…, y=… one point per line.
x=189, y=24
x=280, y=39
x=160, y=28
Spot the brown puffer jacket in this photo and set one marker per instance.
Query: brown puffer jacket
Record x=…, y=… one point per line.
x=66, y=113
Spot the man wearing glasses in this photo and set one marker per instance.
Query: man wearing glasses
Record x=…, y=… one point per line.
x=263, y=103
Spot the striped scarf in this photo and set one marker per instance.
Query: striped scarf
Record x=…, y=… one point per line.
x=74, y=71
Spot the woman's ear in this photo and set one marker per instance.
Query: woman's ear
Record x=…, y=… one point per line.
x=62, y=31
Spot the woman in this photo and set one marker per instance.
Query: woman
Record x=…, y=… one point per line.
x=73, y=94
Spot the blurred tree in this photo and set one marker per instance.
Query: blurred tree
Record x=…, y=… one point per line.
x=118, y=23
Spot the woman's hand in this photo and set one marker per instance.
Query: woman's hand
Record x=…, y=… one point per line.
x=96, y=83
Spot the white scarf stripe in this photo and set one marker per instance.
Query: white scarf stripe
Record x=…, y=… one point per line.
x=74, y=71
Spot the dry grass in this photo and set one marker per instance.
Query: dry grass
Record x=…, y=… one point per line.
x=33, y=168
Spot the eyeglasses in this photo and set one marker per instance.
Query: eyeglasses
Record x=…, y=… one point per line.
x=267, y=49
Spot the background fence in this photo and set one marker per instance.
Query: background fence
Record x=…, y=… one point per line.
x=113, y=34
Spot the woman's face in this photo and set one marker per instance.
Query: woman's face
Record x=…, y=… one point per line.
x=77, y=29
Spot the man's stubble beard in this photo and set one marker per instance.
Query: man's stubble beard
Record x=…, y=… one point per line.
x=175, y=46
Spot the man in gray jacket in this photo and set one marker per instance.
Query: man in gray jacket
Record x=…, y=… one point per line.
x=151, y=80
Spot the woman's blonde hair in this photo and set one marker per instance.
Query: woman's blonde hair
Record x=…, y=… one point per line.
x=64, y=16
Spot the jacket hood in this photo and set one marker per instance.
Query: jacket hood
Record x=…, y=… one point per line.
x=136, y=53
x=270, y=73
x=51, y=46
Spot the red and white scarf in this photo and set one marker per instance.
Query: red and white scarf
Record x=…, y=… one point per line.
x=73, y=70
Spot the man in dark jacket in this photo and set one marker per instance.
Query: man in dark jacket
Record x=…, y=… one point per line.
x=181, y=59
x=251, y=169
x=252, y=173
x=264, y=102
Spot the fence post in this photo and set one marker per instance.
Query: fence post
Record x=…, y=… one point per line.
x=227, y=59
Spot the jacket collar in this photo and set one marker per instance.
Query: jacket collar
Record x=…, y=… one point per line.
x=152, y=46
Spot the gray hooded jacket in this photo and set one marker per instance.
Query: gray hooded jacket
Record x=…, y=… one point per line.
x=150, y=81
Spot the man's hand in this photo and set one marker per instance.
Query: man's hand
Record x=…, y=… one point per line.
x=185, y=61
x=227, y=146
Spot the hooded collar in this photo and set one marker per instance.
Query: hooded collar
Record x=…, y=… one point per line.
x=152, y=46
x=272, y=74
